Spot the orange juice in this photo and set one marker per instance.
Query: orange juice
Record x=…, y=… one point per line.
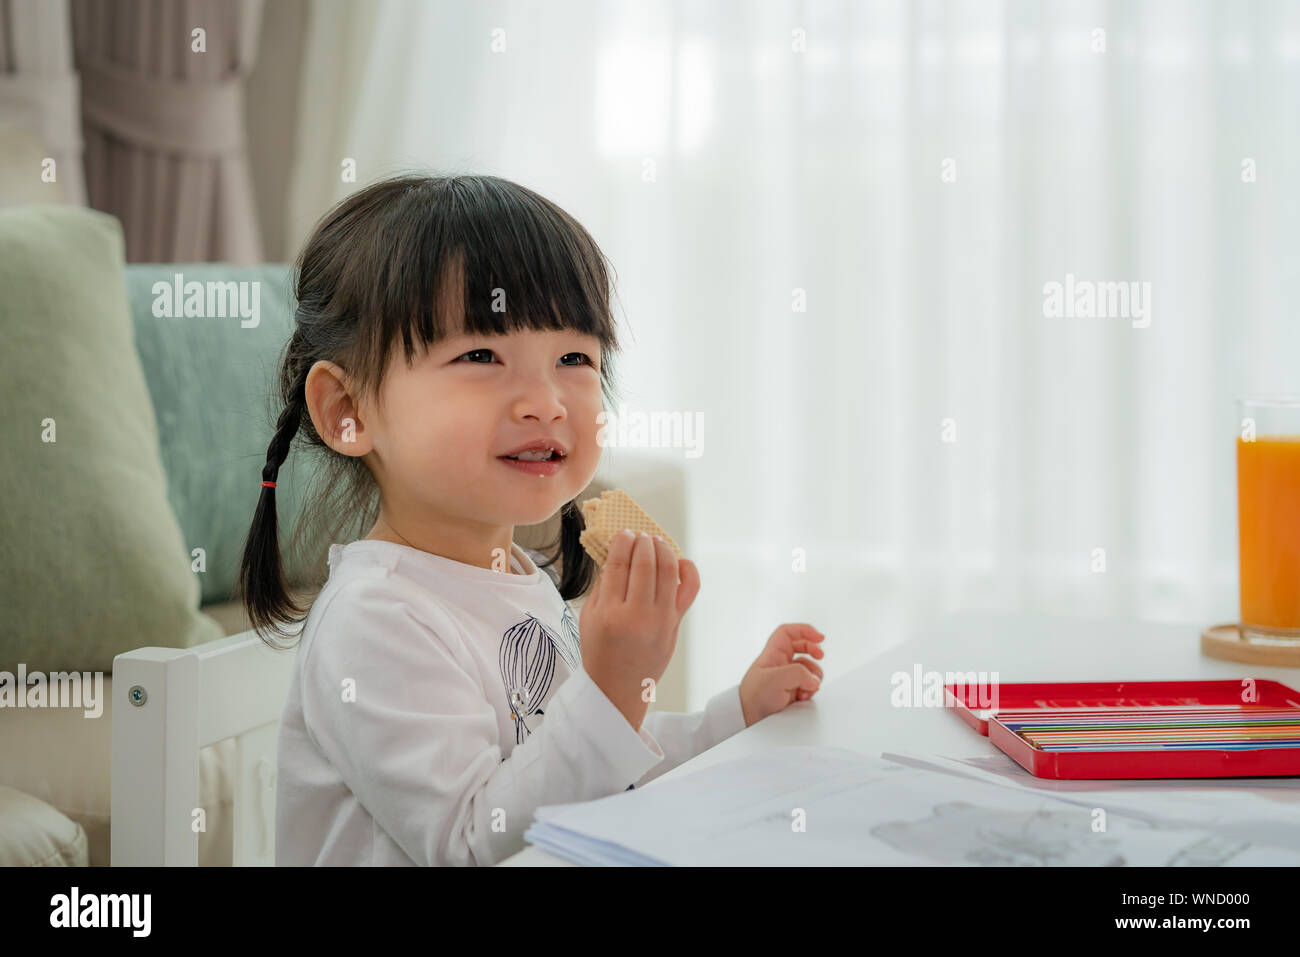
x=1268, y=528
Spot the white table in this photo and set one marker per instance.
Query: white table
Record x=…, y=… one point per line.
x=854, y=710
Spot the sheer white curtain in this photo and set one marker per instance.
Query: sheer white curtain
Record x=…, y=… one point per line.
x=923, y=430
x=40, y=96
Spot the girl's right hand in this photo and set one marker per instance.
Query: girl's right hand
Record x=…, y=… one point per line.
x=629, y=622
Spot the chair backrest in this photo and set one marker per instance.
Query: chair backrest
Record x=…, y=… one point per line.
x=170, y=702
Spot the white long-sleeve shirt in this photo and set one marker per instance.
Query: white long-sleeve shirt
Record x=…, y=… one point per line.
x=436, y=704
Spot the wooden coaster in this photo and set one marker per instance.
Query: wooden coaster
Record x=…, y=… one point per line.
x=1225, y=641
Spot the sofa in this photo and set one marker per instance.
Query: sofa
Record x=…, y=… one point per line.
x=135, y=532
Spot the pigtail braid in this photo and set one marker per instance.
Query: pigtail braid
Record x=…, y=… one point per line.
x=261, y=583
x=577, y=570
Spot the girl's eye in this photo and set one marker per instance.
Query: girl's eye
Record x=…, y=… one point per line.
x=582, y=357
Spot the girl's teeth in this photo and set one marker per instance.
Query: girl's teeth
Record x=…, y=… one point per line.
x=534, y=456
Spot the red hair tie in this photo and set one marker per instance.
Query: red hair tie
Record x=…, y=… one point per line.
x=268, y=485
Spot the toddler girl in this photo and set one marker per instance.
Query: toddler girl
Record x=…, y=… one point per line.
x=451, y=354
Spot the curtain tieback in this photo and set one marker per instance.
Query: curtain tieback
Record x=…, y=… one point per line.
x=204, y=117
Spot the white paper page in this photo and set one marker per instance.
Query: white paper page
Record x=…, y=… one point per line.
x=859, y=810
x=1256, y=820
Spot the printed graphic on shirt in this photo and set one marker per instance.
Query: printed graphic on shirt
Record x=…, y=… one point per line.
x=572, y=654
x=527, y=659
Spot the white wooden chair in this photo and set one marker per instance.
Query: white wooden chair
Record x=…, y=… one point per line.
x=170, y=703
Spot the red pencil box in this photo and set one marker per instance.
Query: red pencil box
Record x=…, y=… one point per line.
x=1133, y=696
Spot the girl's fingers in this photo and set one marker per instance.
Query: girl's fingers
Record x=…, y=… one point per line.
x=641, y=573
x=617, y=568
x=812, y=666
x=689, y=586
x=801, y=638
x=665, y=575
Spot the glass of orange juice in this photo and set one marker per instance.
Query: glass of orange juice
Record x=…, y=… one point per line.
x=1268, y=518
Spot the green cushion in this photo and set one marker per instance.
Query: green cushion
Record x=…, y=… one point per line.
x=92, y=562
x=212, y=380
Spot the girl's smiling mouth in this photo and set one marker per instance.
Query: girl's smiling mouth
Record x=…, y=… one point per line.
x=534, y=467
x=540, y=457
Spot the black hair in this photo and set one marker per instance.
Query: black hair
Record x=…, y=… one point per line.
x=393, y=263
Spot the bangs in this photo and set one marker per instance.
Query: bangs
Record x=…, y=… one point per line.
x=479, y=255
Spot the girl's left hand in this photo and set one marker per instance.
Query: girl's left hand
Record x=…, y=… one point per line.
x=777, y=677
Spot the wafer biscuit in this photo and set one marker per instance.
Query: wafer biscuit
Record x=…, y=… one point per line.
x=610, y=513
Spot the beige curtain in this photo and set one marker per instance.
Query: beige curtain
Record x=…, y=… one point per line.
x=164, y=124
x=38, y=102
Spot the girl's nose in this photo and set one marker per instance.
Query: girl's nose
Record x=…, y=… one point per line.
x=539, y=402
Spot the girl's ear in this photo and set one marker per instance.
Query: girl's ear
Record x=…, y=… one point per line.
x=335, y=412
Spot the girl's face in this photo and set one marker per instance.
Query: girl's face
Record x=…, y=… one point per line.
x=444, y=423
